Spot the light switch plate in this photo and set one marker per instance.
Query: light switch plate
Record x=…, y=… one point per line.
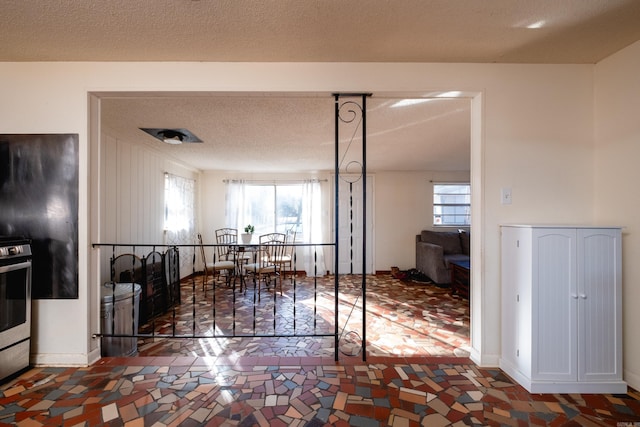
x=506, y=196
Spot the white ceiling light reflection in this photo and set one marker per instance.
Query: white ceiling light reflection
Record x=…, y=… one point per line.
x=532, y=25
x=413, y=101
x=450, y=94
x=537, y=24
x=433, y=97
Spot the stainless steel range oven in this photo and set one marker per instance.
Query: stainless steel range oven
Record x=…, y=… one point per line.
x=15, y=305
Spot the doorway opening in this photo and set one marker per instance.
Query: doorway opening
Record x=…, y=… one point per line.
x=206, y=177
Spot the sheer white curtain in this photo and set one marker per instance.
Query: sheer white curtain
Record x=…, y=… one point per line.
x=235, y=204
x=179, y=216
x=238, y=213
x=312, y=229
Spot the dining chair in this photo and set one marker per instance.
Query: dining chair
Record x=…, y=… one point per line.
x=263, y=268
x=226, y=238
x=227, y=241
x=215, y=267
x=286, y=259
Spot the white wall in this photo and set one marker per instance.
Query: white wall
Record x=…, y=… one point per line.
x=535, y=136
x=132, y=197
x=131, y=210
x=403, y=208
x=617, y=150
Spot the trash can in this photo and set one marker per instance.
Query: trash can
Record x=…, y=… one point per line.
x=127, y=301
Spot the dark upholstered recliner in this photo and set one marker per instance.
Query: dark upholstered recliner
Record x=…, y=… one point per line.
x=435, y=249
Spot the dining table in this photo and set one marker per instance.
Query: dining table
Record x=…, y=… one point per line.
x=243, y=254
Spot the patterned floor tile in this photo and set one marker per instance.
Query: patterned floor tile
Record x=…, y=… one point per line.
x=403, y=319
x=173, y=385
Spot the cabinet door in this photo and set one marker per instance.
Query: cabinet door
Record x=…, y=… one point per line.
x=555, y=304
x=599, y=302
x=516, y=298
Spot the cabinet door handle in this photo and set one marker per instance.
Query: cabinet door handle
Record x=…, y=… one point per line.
x=583, y=296
x=574, y=296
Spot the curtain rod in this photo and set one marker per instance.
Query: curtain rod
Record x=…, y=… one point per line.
x=273, y=181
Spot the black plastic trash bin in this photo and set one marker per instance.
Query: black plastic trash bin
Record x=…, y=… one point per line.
x=127, y=302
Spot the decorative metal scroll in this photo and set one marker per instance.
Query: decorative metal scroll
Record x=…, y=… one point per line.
x=351, y=167
x=351, y=164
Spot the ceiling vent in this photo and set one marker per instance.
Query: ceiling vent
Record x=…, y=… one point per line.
x=172, y=136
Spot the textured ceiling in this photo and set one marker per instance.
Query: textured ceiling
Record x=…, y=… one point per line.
x=566, y=31
x=287, y=133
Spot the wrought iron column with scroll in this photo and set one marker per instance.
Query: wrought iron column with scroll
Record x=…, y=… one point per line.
x=351, y=166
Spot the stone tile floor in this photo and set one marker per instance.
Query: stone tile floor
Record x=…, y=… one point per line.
x=304, y=391
x=403, y=319
x=241, y=384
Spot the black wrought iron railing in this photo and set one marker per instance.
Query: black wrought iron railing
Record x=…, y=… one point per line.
x=215, y=303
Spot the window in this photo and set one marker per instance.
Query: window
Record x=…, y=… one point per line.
x=281, y=206
x=452, y=204
x=179, y=201
x=273, y=207
x=179, y=215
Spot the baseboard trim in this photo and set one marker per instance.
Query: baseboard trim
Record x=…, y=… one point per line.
x=484, y=360
x=632, y=379
x=63, y=359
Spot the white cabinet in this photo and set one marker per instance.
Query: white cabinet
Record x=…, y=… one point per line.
x=561, y=308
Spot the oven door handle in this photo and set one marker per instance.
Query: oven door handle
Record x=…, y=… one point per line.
x=13, y=267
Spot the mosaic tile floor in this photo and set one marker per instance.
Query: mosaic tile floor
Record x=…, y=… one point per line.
x=276, y=382
x=273, y=391
x=403, y=319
